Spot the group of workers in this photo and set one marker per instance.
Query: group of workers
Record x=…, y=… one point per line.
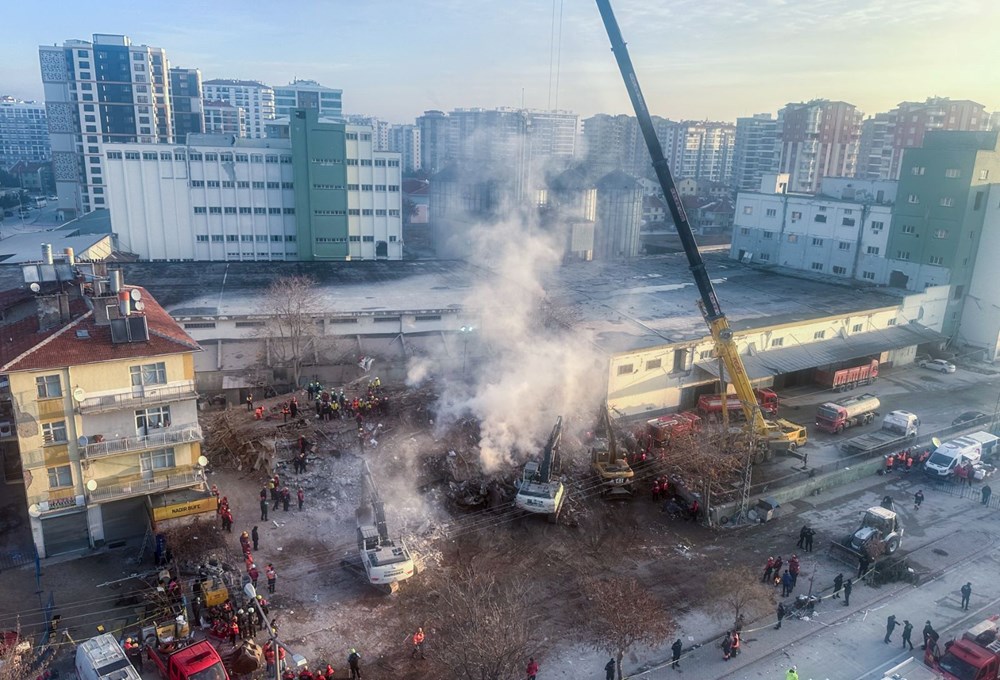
x=905, y=460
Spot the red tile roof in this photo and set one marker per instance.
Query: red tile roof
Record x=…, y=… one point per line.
x=26, y=348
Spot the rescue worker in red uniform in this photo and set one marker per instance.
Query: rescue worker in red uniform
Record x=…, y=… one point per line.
x=890, y=460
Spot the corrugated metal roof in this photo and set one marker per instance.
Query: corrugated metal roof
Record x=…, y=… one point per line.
x=773, y=362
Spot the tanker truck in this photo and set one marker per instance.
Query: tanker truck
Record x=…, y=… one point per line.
x=837, y=416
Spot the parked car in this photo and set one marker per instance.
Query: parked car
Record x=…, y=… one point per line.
x=939, y=365
x=8, y=213
x=968, y=417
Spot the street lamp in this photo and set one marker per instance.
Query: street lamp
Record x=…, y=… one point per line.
x=465, y=331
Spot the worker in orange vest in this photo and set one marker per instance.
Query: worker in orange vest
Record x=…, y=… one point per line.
x=418, y=643
x=889, y=462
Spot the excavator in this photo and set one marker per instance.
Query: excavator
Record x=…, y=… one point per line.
x=537, y=492
x=613, y=471
x=771, y=435
x=386, y=562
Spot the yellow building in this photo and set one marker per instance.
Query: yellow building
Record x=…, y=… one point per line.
x=103, y=404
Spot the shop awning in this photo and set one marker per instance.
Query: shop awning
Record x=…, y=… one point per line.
x=761, y=365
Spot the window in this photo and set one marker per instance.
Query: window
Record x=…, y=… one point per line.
x=941, y=233
x=211, y=157
x=816, y=266
x=256, y=158
x=215, y=211
x=286, y=159
x=48, y=386
x=195, y=156
x=819, y=335
x=379, y=163
x=959, y=290
x=245, y=211
x=229, y=210
x=152, y=418
x=796, y=215
x=891, y=322
x=793, y=238
x=946, y=202
x=877, y=226
x=772, y=212
x=978, y=201
x=902, y=254
x=917, y=170
x=131, y=155
x=115, y=155
x=156, y=460
x=768, y=234
x=247, y=238
x=149, y=155
x=287, y=185
x=856, y=328
x=868, y=275
x=241, y=158
x=764, y=256
x=274, y=185
x=873, y=250
x=706, y=354
x=912, y=198
x=260, y=211
x=847, y=222
x=243, y=184
x=984, y=175
x=216, y=238
x=844, y=245
x=258, y=185
x=909, y=229
x=653, y=364
x=936, y=259
x=213, y=184
x=54, y=432
x=276, y=238
x=197, y=183
x=952, y=173
x=817, y=241
x=777, y=342
x=226, y=184
x=201, y=238
x=744, y=231
x=820, y=218
x=226, y=157
x=271, y=158
x=200, y=210
x=61, y=476
x=149, y=374
x=839, y=270
x=748, y=210
x=230, y=238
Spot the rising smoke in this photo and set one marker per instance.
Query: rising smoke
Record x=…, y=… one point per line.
x=521, y=369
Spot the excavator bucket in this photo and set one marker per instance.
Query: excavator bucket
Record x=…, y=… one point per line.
x=844, y=553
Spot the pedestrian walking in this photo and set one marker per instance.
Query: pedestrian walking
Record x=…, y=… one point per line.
x=838, y=583
x=532, y=670
x=890, y=625
x=418, y=644
x=918, y=498
x=263, y=510
x=907, y=631
x=675, y=651
x=966, y=594
x=354, y=663
x=302, y=497
x=986, y=492
x=272, y=578
x=847, y=592
x=787, y=583
x=254, y=536
x=250, y=403
x=781, y=614
x=792, y=674
x=727, y=646
x=609, y=670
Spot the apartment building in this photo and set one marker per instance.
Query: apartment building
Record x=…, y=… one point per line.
x=255, y=98
x=24, y=132
x=818, y=139
x=100, y=405
x=755, y=150
x=186, y=102
x=308, y=94
x=222, y=118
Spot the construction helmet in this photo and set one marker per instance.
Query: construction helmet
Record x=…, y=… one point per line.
x=353, y=651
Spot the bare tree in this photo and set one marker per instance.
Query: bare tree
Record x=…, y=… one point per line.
x=18, y=659
x=486, y=627
x=291, y=327
x=739, y=592
x=614, y=622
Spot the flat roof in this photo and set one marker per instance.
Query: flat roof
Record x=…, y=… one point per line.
x=27, y=247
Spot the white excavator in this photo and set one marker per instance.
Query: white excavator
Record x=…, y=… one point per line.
x=386, y=562
x=537, y=491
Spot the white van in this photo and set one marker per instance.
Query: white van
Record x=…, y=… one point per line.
x=947, y=457
x=987, y=441
x=102, y=658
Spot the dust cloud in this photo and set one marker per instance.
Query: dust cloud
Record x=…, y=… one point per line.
x=517, y=370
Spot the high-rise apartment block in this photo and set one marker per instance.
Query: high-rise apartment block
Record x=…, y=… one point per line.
x=613, y=143
x=755, y=151
x=405, y=140
x=222, y=118
x=186, y=101
x=256, y=100
x=700, y=150
x=434, y=128
x=875, y=148
x=308, y=94
x=101, y=92
x=24, y=132
x=818, y=139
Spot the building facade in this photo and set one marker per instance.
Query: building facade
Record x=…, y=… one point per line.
x=186, y=102
x=699, y=149
x=255, y=98
x=405, y=140
x=101, y=92
x=222, y=118
x=875, y=147
x=755, y=150
x=103, y=398
x=308, y=94
x=842, y=231
x=818, y=139
x=24, y=132
x=434, y=129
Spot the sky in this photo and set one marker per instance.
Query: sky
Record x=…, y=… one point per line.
x=695, y=59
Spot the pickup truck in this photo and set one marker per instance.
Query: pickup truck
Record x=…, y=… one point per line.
x=197, y=661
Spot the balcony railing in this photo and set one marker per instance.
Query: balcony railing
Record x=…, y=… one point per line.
x=175, y=480
x=139, y=396
x=177, y=435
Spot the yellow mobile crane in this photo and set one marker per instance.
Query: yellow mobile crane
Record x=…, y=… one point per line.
x=777, y=434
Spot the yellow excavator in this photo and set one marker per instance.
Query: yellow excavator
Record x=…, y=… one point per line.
x=612, y=470
x=771, y=435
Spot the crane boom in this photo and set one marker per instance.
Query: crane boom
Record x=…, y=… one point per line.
x=717, y=323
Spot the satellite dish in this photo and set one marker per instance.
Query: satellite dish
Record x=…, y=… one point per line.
x=35, y=287
x=936, y=442
x=91, y=484
x=202, y=461
x=34, y=510
x=79, y=394
x=139, y=306
x=82, y=440
x=135, y=294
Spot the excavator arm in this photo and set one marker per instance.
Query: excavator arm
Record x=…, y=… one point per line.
x=550, y=449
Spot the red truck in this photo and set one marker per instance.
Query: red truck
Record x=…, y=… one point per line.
x=974, y=656
x=672, y=425
x=836, y=416
x=846, y=377
x=197, y=661
x=710, y=405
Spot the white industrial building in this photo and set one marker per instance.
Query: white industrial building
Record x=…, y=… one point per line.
x=842, y=231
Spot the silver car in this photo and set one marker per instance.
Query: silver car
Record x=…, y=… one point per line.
x=939, y=365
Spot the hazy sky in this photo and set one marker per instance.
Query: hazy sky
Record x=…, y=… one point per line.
x=715, y=59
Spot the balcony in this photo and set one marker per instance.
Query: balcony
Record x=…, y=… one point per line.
x=187, y=434
x=178, y=479
x=149, y=395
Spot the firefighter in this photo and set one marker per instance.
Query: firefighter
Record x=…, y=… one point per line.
x=272, y=577
x=254, y=574
x=245, y=542
x=793, y=569
x=768, y=569
x=909, y=462
x=656, y=489
x=418, y=644
x=234, y=631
